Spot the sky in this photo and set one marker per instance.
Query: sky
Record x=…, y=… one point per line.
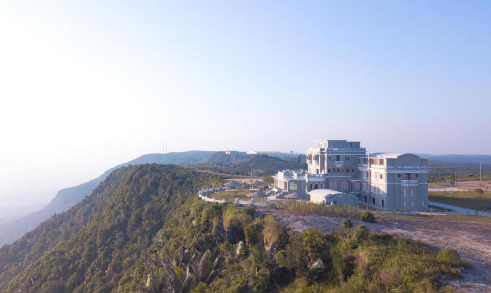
x=87, y=85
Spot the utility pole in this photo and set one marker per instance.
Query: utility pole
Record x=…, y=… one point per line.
x=251, y=176
x=480, y=171
x=455, y=177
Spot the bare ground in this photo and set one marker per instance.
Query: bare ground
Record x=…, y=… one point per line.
x=471, y=239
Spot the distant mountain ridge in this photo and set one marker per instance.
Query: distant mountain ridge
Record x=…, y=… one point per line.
x=68, y=197
x=460, y=159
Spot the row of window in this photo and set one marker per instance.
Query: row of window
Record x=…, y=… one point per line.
x=412, y=203
x=381, y=176
x=412, y=191
x=338, y=158
x=340, y=170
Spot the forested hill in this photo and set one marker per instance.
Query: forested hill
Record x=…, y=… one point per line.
x=260, y=165
x=68, y=197
x=89, y=247
x=144, y=230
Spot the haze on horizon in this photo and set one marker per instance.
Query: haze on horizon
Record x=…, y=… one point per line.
x=87, y=85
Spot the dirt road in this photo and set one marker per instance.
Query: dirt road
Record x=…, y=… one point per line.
x=471, y=239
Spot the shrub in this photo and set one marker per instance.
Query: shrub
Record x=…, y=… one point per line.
x=253, y=234
x=361, y=233
x=347, y=223
x=53, y=287
x=450, y=257
x=367, y=216
x=479, y=190
x=315, y=243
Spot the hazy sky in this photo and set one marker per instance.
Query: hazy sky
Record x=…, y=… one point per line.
x=86, y=85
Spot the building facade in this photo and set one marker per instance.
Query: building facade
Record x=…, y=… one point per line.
x=333, y=164
x=385, y=181
x=395, y=181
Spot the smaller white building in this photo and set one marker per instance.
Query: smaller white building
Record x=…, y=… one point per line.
x=332, y=197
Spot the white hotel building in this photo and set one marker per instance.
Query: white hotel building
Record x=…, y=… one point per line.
x=386, y=181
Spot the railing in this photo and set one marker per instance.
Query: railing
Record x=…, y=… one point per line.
x=409, y=181
x=202, y=195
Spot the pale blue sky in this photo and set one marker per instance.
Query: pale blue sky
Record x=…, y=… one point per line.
x=87, y=85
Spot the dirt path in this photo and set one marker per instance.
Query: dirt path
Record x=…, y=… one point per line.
x=471, y=239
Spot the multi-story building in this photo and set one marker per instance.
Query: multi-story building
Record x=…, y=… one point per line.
x=333, y=164
x=290, y=181
x=394, y=181
x=387, y=181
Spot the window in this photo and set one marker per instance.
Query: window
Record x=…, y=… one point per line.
x=347, y=170
x=346, y=158
x=338, y=158
x=329, y=157
x=338, y=170
x=293, y=185
x=381, y=176
x=344, y=185
x=333, y=185
x=399, y=175
x=357, y=185
x=417, y=175
x=328, y=170
x=408, y=176
x=381, y=162
x=352, y=170
x=404, y=191
x=412, y=191
x=404, y=203
x=412, y=203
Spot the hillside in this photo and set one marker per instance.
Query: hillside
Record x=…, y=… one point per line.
x=143, y=229
x=126, y=209
x=260, y=165
x=68, y=197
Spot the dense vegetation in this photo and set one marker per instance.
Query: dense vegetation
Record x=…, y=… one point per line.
x=144, y=230
x=89, y=247
x=68, y=197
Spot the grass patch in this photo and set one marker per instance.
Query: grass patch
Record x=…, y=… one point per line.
x=231, y=195
x=467, y=199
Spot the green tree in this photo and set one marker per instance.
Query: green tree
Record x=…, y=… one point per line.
x=269, y=180
x=347, y=223
x=367, y=216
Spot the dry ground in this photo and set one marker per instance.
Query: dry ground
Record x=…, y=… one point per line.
x=471, y=239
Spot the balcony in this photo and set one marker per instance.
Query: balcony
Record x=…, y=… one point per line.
x=338, y=164
x=409, y=182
